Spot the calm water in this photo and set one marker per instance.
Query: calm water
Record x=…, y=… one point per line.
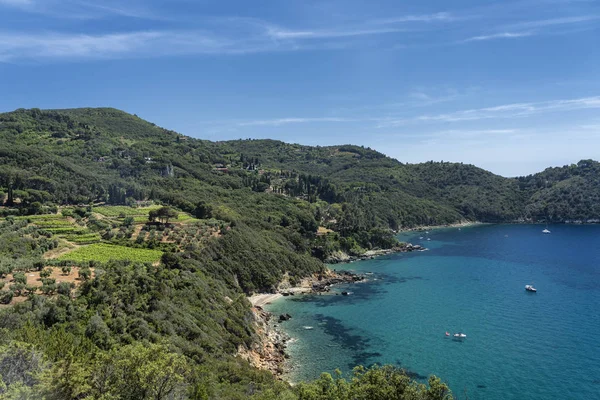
x=519, y=345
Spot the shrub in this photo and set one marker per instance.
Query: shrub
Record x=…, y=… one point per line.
x=45, y=273
x=19, y=277
x=64, y=288
x=6, y=296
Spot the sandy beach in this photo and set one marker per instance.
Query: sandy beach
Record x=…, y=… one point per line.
x=261, y=299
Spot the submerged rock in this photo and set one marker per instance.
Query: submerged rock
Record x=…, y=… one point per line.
x=284, y=317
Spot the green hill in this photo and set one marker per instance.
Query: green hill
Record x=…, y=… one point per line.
x=82, y=188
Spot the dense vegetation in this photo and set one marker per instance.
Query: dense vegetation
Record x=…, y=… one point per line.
x=108, y=194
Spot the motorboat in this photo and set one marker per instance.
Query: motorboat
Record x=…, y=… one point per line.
x=546, y=231
x=530, y=288
x=460, y=335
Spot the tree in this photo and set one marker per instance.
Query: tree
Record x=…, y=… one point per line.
x=64, y=288
x=6, y=296
x=45, y=273
x=66, y=270
x=140, y=371
x=17, y=288
x=163, y=214
x=19, y=277
x=203, y=210
x=85, y=273
x=48, y=288
x=30, y=289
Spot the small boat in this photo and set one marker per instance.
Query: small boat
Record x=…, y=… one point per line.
x=546, y=231
x=420, y=237
x=308, y=328
x=428, y=238
x=447, y=333
x=530, y=288
x=460, y=335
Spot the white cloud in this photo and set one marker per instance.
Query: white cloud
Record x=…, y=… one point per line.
x=503, y=35
x=441, y=16
x=324, y=34
x=82, y=9
x=513, y=110
x=555, y=21
x=118, y=45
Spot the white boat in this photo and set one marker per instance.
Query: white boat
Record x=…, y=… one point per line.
x=460, y=335
x=530, y=288
x=546, y=230
x=428, y=238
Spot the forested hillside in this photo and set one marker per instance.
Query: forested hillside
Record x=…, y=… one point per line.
x=127, y=250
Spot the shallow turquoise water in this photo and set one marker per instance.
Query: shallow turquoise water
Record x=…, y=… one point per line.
x=519, y=344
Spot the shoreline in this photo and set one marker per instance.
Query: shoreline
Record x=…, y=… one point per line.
x=343, y=258
x=420, y=228
x=268, y=353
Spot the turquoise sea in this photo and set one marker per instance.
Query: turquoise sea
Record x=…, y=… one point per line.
x=519, y=345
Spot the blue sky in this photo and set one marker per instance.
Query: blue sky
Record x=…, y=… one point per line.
x=511, y=86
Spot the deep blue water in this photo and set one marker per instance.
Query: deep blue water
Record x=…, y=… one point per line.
x=519, y=345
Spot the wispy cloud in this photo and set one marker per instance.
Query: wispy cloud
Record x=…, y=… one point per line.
x=554, y=22
x=287, y=121
x=118, y=45
x=277, y=33
x=503, y=35
x=441, y=16
x=226, y=35
x=365, y=28
x=514, y=110
x=82, y=9
x=534, y=28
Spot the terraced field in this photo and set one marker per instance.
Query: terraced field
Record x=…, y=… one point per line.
x=105, y=252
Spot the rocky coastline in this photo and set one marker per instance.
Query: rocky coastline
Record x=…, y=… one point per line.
x=269, y=350
x=422, y=228
x=341, y=257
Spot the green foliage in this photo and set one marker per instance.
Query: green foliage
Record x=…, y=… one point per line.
x=105, y=252
x=6, y=296
x=20, y=278
x=45, y=273
x=85, y=273
x=376, y=383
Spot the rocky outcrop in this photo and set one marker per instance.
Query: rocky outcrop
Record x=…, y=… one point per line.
x=341, y=257
x=268, y=350
x=284, y=317
x=337, y=277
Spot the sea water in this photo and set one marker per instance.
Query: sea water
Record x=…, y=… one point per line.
x=519, y=345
